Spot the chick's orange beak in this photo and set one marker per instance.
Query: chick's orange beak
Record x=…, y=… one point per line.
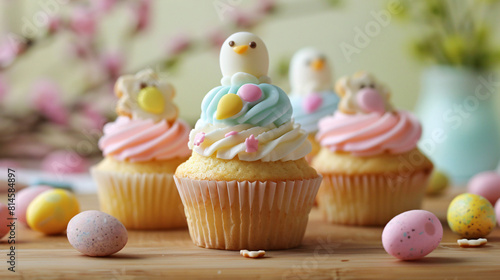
x=240, y=49
x=317, y=64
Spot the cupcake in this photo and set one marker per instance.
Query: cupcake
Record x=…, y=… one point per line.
x=312, y=94
x=371, y=166
x=142, y=148
x=247, y=184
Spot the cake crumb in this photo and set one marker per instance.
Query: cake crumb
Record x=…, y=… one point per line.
x=467, y=243
x=252, y=254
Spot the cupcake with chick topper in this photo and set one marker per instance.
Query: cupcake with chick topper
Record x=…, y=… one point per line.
x=312, y=94
x=247, y=184
x=369, y=159
x=142, y=148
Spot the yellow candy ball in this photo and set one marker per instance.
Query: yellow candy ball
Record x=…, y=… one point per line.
x=229, y=105
x=151, y=100
x=471, y=216
x=51, y=211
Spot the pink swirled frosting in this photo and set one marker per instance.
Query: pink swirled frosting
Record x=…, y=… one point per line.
x=144, y=140
x=370, y=134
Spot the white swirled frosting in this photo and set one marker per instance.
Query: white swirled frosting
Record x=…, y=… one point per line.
x=283, y=143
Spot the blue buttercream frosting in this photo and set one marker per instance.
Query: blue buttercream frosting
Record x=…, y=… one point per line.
x=309, y=121
x=273, y=107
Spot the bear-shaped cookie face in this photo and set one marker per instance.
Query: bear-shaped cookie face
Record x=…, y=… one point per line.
x=362, y=93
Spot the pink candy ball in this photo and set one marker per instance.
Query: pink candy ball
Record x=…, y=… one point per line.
x=24, y=198
x=250, y=92
x=487, y=185
x=371, y=101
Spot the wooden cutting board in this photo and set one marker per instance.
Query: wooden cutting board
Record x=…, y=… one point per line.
x=328, y=252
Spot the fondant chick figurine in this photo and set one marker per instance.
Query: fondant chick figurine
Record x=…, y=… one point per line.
x=312, y=94
x=362, y=93
x=145, y=96
x=243, y=115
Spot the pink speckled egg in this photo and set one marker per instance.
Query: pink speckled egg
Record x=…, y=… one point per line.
x=412, y=235
x=486, y=184
x=497, y=211
x=4, y=215
x=97, y=234
x=24, y=198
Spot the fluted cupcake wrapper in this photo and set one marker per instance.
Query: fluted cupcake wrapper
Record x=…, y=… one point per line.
x=247, y=215
x=369, y=200
x=140, y=201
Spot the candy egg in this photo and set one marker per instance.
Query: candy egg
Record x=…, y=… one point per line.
x=412, y=235
x=471, y=216
x=51, y=211
x=250, y=92
x=487, y=185
x=24, y=198
x=4, y=215
x=96, y=233
x=437, y=183
x=497, y=211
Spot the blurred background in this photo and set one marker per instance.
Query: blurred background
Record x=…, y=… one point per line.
x=59, y=60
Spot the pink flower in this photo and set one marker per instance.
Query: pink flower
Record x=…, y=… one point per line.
x=112, y=62
x=80, y=49
x=312, y=102
x=54, y=24
x=64, y=162
x=244, y=20
x=252, y=144
x=141, y=13
x=199, y=138
x=103, y=6
x=3, y=88
x=217, y=37
x=10, y=49
x=94, y=119
x=46, y=99
x=266, y=6
x=83, y=22
x=178, y=44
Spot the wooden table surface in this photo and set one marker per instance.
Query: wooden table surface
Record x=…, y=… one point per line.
x=328, y=252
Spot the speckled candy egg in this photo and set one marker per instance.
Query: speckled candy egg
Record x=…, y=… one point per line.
x=471, y=216
x=95, y=233
x=412, y=235
x=486, y=184
x=4, y=215
x=497, y=211
x=51, y=211
x=23, y=199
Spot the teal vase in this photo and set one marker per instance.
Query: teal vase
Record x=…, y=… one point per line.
x=460, y=131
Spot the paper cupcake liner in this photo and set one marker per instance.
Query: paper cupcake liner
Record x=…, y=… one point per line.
x=247, y=215
x=369, y=199
x=140, y=201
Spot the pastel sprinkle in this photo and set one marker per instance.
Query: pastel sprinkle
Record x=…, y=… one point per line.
x=199, y=138
x=230, y=133
x=252, y=144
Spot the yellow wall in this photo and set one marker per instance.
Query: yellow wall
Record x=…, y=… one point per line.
x=299, y=24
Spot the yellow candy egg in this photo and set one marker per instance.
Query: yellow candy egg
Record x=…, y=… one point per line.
x=229, y=105
x=51, y=211
x=151, y=100
x=471, y=216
